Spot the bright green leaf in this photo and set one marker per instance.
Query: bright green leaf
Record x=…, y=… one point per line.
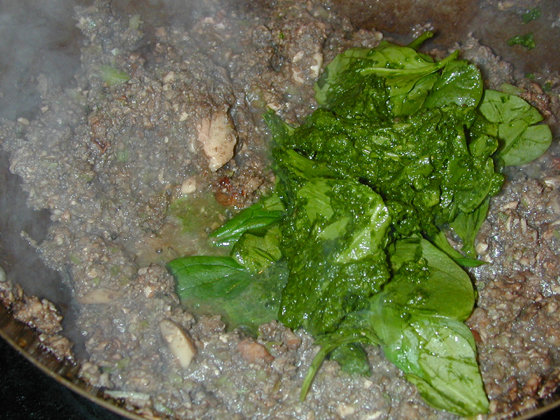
x=208, y=277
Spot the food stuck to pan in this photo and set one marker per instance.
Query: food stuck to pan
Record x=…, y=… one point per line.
x=270, y=213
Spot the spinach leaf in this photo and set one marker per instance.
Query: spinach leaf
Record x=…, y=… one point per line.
x=440, y=241
x=219, y=285
x=393, y=61
x=467, y=225
x=531, y=14
x=411, y=101
x=336, y=72
x=460, y=84
x=523, y=144
x=257, y=252
x=437, y=354
x=257, y=304
x=258, y=216
x=418, y=317
x=438, y=286
x=207, y=277
x=403, y=68
x=512, y=120
x=333, y=241
x=503, y=108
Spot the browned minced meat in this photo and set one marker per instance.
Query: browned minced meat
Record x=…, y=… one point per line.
x=517, y=322
x=112, y=161
x=39, y=314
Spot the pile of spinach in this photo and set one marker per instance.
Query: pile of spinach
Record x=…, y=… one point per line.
x=401, y=149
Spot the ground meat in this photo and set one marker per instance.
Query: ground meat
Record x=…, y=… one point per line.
x=163, y=116
x=517, y=319
x=39, y=314
x=495, y=71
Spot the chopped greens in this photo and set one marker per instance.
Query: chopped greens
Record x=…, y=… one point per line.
x=401, y=150
x=113, y=76
x=333, y=241
x=527, y=41
x=531, y=14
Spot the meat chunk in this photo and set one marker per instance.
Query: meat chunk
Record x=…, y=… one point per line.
x=254, y=352
x=218, y=138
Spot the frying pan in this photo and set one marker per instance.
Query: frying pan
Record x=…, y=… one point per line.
x=44, y=39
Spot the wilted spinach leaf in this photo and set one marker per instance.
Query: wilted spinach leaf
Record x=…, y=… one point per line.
x=512, y=120
x=206, y=276
x=258, y=251
x=258, y=216
x=417, y=319
x=333, y=241
x=460, y=84
x=438, y=355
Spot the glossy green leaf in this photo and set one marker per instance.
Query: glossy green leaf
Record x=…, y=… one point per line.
x=467, y=225
x=446, y=289
x=521, y=141
x=459, y=84
x=419, y=321
x=257, y=252
x=258, y=216
x=523, y=144
x=445, y=370
x=207, y=277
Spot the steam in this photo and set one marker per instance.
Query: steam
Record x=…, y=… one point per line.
x=41, y=38
x=37, y=37
x=18, y=259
